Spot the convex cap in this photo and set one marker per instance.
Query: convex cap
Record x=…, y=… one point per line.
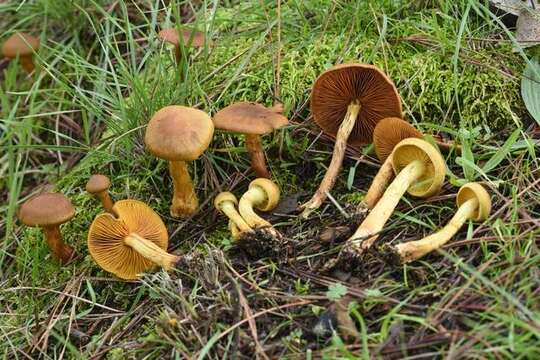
x=20, y=44
x=472, y=191
x=389, y=132
x=97, y=183
x=179, y=133
x=249, y=118
x=189, y=37
x=338, y=87
x=47, y=209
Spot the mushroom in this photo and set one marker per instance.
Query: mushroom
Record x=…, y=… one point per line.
x=182, y=38
x=473, y=203
x=98, y=185
x=179, y=134
x=253, y=120
x=420, y=171
x=226, y=203
x=131, y=243
x=347, y=101
x=21, y=45
x=49, y=211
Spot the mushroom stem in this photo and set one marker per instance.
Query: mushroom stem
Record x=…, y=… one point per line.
x=329, y=179
x=255, y=195
x=151, y=251
x=365, y=236
x=228, y=208
x=184, y=201
x=414, y=250
x=27, y=63
x=106, y=201
x=256, y=153
x=61, y=251
x=379, y=184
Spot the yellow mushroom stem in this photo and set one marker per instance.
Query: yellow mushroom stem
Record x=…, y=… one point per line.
x=366, y=234
x=27, y=63
x=151, y=251
x=256, y=153
x=329, y=179
x=414, y=250
x=106, y=201
x=378, y=186
x=235, y=231
x=184, y=201
x=228, y=208
x=60, y=251
x=254, y=196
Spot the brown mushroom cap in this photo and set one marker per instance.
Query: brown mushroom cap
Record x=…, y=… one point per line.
x=179, y=133
x=189, y=37
x=97, y=183
x=389, y=132
x=249, y=118
x=46, y=209
x=343, y=84
x=107, y=233
x=20, y=44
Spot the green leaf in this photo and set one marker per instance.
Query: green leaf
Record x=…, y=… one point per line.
x=530, y=89
x=501, y=153
x=336, y=291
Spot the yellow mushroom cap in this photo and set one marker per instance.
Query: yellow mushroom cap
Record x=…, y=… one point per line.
x=179, y=133
x=271, y=191
x=389, y=132
x=97, y=183
x=432, y=179
x=47, y=209
x=20, y=44
x=224, y=196
x=107, y=233
x=249, y=118
x=474, y=190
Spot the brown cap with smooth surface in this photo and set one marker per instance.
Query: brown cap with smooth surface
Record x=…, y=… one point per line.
x=192, y=38
x=46, y=209
x=389, y=132
x=249, y=118
x=179, y=133
x=97, y=183
x=338, y=87
x=21, y=44
x=107, y=233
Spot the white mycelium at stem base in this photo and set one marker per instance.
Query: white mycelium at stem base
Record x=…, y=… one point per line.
x=364, y=236
x=329, y=179
x=149, y=250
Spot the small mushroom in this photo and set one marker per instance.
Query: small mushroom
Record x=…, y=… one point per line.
x=49, y=211
x=347, y=101
x=179, y=134
x=98, y=185
x=131, y=243
x=473, y=203
x=182, y=38
x=420, y=171
x=227, y=203
x=253, y=120
x=24, y=46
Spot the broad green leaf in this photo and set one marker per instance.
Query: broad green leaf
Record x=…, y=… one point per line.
x=530, y=89
x=501, y=153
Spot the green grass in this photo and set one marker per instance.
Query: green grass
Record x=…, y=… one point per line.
x=103, y=73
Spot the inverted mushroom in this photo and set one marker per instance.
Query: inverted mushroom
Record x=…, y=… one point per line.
x=347, y=101
x=420, y=171
x=227, y=204
x=473, y=203
x=253, y=120
x=48, y=211
x=131, y=243
x=179, y=134
x=182, y=38
x=98, y=185
x=24, y=46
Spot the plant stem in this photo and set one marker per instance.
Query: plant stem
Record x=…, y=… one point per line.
x=329, y=179
x=59, y=249
x=255, y=195
x=376, y=219
x=151, y=251
x=256, y=153
x=414, y=250
x=184, y=201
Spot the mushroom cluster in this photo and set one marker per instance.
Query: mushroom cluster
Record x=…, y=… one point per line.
x=356, y=104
